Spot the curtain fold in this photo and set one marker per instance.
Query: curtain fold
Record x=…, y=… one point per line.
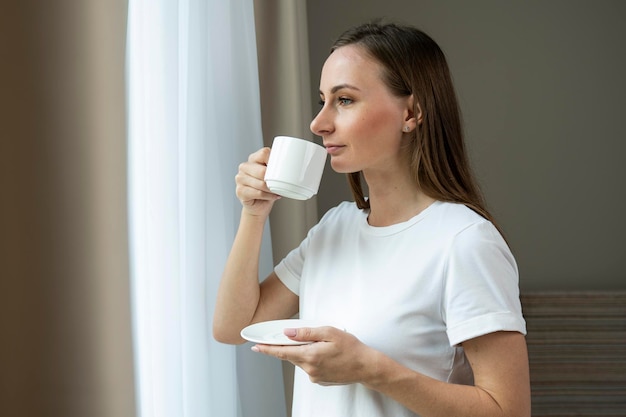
x=194, y=115
x=64, y=293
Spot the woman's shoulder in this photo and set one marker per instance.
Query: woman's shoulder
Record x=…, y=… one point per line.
x=467, y=229
x=456, y=218
x=457, y=212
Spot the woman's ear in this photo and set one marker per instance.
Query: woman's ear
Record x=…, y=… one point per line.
x=419, y=113
x=413, y=116
x=415, y=110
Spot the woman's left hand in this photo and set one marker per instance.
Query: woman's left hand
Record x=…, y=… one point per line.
x=335, y=357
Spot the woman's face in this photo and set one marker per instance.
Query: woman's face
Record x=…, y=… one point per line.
x=360, y=122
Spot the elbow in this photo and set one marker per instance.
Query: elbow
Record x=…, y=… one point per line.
x=223, y=334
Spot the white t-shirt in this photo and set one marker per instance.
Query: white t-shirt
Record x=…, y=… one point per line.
x=413, y=290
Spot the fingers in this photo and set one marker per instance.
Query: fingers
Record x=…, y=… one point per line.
x=295, y=354
x=256, y=164
x=333, y=358
x=252, y=172
x=310, y=334
x=250, y=183
x=298, y=355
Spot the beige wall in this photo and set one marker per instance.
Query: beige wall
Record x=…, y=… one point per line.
x=64, y=292
x=542, y=87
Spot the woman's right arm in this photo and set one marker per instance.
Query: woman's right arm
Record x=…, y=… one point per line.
x=241, y=300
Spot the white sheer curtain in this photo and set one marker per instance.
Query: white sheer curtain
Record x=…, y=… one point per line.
x=193, y=100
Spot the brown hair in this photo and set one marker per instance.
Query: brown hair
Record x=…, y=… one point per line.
x=414, y=64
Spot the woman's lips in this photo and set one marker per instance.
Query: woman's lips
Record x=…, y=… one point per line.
x=333, y=149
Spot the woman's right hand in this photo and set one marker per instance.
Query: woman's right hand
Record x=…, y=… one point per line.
x=251, y=188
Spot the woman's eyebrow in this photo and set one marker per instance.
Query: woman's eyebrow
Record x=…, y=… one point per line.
x=341, y=87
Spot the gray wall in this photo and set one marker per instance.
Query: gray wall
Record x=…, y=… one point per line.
x=543, y=93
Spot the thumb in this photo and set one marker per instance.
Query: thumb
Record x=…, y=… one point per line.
x=306, y=334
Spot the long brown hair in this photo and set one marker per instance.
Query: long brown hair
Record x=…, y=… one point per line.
x=414, y=64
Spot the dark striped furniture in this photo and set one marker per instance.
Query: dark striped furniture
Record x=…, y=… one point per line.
x=577, y=352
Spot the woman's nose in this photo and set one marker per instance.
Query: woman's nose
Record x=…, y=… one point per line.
x=322, y=124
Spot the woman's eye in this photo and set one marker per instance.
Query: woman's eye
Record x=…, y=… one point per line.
x=344, y=101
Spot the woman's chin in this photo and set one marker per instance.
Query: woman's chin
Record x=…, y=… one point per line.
x=339, y=167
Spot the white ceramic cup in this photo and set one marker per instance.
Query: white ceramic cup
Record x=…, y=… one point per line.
x=295, y=167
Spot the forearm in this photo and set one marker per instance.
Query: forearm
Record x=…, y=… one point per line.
x=501, y=381
x=239, y=290
x=429, y=397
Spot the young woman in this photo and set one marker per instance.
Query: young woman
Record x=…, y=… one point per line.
x=417, y=273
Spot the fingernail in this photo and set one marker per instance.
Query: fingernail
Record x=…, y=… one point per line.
x=290, y=332
x=255, y=348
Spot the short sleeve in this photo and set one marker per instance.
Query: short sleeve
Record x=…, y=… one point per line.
x=481, y=287
x=289, y=270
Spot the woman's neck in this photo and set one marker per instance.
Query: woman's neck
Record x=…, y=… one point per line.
x=394, y=199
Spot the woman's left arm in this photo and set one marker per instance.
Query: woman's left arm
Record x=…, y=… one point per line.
x=501, y=381
x=499, y=361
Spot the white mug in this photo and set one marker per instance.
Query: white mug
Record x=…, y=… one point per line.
x=295, y=167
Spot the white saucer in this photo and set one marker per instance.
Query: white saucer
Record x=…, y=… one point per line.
x=272, y=332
